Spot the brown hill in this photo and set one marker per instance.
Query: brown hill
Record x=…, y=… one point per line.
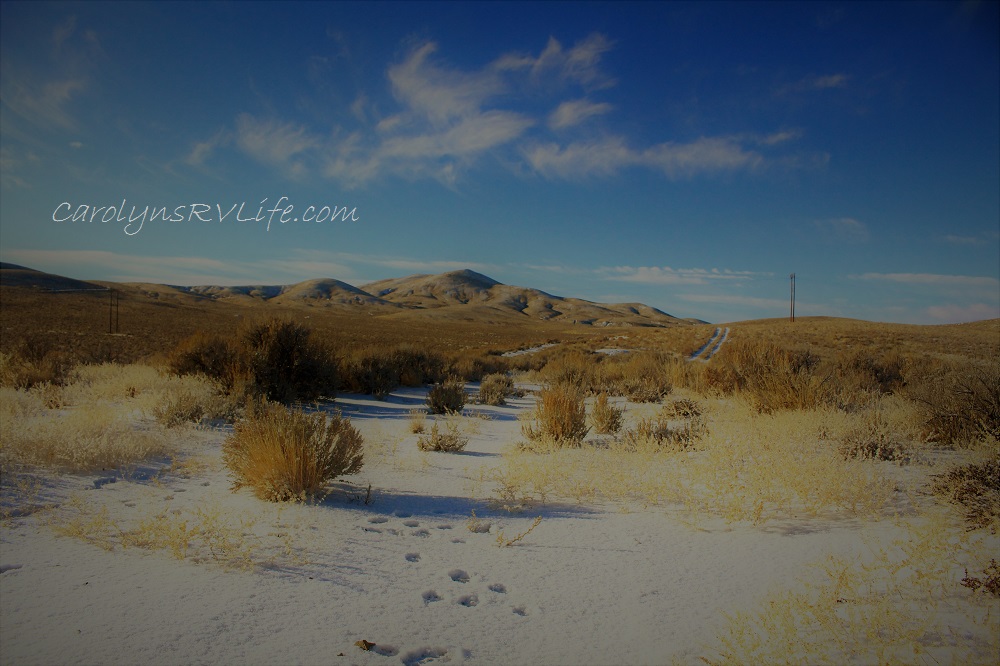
x=466, y=294
x=454, y=296
x=12, y=275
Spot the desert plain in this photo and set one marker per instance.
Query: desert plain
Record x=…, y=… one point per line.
x=640, y=489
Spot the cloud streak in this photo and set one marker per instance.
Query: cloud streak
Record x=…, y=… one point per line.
x=657, y=275
x=933, y=280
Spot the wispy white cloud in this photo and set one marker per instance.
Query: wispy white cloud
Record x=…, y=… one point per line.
x=754, y=302
x=574, y=112
x=607, y=156
x=274, y=143
x=578, y=64
x=203, y=150
x=982, y=239
x=933, y=279
x=44, y=97
x=954, y=314
x=828, y=81
x=816, y=82
x=439, y=93
x=663, y=275
x=845, y=229
x=450, y=119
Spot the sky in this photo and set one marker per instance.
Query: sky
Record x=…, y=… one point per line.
x=686, y=156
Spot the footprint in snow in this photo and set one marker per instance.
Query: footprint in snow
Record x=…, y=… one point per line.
x=431, y=596
x=413, y=557
x=378, y=520
x=458, y=576
x=420, y=533
x=520, y=610
x=411, y=523
x=499, y=588
x=424, y=655
x=468, y=600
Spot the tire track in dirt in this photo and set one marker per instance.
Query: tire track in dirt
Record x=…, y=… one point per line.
x=710, y=348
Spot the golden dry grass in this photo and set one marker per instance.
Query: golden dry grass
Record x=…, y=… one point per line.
x=101, y=418
x=560, y=416
x=748, y=467
x=894, y=604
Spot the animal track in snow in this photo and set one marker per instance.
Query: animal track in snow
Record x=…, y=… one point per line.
x=411, y=523
x=413, y=557
x=499, y=588
x=424, y=655
x=378, y=520
x=420, y=533
x=458, y=576
x=430, y=596
x=520, y=610
x=468, y=600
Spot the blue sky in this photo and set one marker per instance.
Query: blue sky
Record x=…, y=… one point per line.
x=687, y=156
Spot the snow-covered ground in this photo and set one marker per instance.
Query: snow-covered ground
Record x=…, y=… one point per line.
x=393, y=558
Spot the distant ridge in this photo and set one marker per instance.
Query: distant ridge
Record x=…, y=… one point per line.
x=12, y=275
x=455, y=295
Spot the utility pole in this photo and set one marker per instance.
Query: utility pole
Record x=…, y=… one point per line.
x=113, y=305
x=792, y=278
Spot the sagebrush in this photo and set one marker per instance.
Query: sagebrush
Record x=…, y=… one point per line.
x=283, y=454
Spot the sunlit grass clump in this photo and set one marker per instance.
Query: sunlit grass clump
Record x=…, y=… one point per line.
x=560, y=416
x=283, y=454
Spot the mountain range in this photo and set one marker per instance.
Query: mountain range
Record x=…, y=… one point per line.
x=455, y=295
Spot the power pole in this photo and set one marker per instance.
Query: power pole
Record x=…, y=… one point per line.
x=113, y=304
x=792, y=278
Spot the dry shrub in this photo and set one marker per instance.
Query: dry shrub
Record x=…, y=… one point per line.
x=875, y=438
x=683, y=408
x=962, y=406
x=284, y=364
x=866, y=371
x=975, y=487
x=283, y=454
x=560, y=416
x=663, y=433
x=416, y=367
x=990, y=583
x=605, y=417
x=189, y=406
x=418, y=418
x=495, y=388
x=31, y=362
x=274, y=359
x=570, y=366
x=449, y=442
x=473, y=366
x=378, y=371
x=641, y=376
x=205, y=354
x=370, y=371
x=447, y=397
x=771, y=377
